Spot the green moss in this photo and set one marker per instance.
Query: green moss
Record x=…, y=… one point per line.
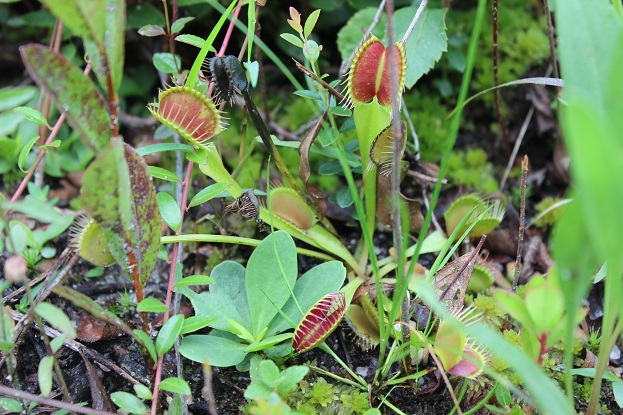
x=552, y=215
x=470, y=168
x=492, y=313
x=428, y=113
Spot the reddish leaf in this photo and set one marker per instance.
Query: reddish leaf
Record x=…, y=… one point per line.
x=319, y=322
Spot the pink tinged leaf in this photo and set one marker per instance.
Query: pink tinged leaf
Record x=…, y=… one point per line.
x=470, y=365
x=189, y=113
x=319, y=322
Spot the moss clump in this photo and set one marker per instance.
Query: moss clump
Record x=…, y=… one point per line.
x=548, y=211
x=470, y=168
x=323, y=398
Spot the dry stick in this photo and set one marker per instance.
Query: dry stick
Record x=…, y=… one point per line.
x=550, y=35
x=415, y=19
x=337, y=94
x=14, y=393
x=522, y=218
x=207, y=391
x=496, y=92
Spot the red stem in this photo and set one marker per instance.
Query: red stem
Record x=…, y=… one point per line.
x=543, y=349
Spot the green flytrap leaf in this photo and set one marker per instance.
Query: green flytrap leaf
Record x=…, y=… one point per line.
x=249, y=324
x=72, y=92
x=118, y=193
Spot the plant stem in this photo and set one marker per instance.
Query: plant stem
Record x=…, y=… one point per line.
x=522, y=219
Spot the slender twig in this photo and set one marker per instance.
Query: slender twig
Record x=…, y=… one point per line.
x=414, y=21
x=518, y=142
x=522, y=218
x=337, y=94
x=496, y=92
x=14, y=393
x=552, y=41
x=207, y=391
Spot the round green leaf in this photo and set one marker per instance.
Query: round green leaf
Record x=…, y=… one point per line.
x=129, y=402
x=175, y=385
x=168, y=333
x=218, y=351
x=167, y=63
x=170, y=211
x=151, y=305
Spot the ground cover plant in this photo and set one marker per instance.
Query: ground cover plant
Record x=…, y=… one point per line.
x=317, y=208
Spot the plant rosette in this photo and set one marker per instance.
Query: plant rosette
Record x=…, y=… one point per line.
x=255, y=305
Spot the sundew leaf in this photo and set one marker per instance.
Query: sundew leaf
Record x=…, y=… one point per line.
x=426, y=43
x=118, y=193
x=271, y=273
x=72, y=92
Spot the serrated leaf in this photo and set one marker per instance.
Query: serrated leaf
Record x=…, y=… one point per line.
x=208, y=193
x=170, y=211
x=179, y=24
x=57, y=318
x=167, y=63
x=152, y=305
x=175, y=385
x=290, y=38
x=151, y=30
x=44, y=375
x=118, y=193
x=168, y=333
x=23, y=153
x=129, y=402
x=32, y=114
x=72, y=92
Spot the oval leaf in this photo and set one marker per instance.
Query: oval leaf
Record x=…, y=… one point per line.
x=168, y=333
x=194, y=323
x=167, y=63
x=24, y=153
x=72, y=92
x=170, y=211
x=146, y=342
x=57, y=318
x=208, y=193
x=129, y=402
x=44, y=375
x=194, y=280
x=151, y=305
x=151, y=30
x=163, y=174
x=175, y=385
x=32, y=114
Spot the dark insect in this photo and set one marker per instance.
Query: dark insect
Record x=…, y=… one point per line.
x=228, y=76
x=246, y=205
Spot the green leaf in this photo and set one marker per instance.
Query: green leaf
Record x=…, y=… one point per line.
x=310, y=23
x=427, y=41
x=502, y=394
x=175, y=406
x=208, y=193
x=218, y=351
x=271, y=269
x=192, y=40
x=269, y=373
x=170, y=211
x=175, y=385
x=167, y=63
x=168, y=334
x=341, y=111
x=74, y=17
x=32, y=114
x=106, y=55
x=11, y=405
x=24, y=153
x=159, y=148
x=179, y=24
x=146, y=342
x=142, y=391
x=194, y=280
x=72, y=92
x=44, y=375
x=327, y=136
x=295, y=40
x=253, y=70
x=290, y=377
x=351, y=34
x=57, y=318
x=151, y=305
x=163, y=174
x=151, y=30
x=118, y=193
x=344, y=198
x=194, y=323
x=13, y=97
x=129, y=402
